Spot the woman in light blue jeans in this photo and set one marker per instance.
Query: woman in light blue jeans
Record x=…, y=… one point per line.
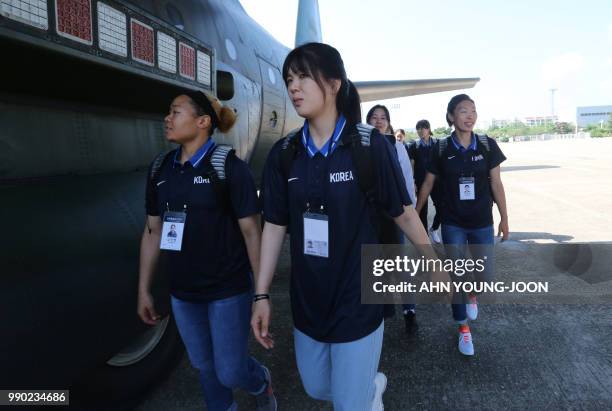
x=348, y=384
x=337, y=338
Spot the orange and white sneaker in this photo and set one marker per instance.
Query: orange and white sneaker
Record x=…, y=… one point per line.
x=466, y=347
x=472, y=307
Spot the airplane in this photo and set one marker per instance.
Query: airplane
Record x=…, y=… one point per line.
x=85, y=87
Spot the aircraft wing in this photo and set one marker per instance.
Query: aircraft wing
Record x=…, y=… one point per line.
x=382, y=90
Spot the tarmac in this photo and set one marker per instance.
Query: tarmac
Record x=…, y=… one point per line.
x=528, y=356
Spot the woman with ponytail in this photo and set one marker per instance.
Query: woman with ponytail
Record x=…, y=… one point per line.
x=337, y=339
x=378, y=116
x=467, y=168
x=211, y=256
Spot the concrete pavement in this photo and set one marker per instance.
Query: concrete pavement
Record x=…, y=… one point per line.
x=527, y=356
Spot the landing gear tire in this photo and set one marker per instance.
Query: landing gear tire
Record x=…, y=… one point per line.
x=122, y=381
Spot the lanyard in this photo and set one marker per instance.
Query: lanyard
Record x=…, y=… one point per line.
x=168, y=207
x=463, y=152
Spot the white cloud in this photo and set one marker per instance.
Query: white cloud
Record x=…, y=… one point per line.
x=562, y=67
x=610, y=32
x=609, y=61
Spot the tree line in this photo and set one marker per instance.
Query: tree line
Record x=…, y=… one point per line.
x=518, y=128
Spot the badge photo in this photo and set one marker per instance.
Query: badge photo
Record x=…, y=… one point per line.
x=172, y=231
x=466, y=188
x=316, y=235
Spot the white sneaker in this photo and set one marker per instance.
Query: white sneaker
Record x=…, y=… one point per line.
x=472, y=307
x=380, y=385
x=435, y=236
x=466, y=347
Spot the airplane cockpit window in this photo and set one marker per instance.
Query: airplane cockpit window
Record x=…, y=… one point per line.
x=175, y=16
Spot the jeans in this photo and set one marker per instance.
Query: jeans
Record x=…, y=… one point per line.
x=342, y=373
x=216, y=338
x=456, y=241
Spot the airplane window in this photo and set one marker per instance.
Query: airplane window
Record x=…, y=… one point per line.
x=225, y=85
x=231, y=49
x=175, y=16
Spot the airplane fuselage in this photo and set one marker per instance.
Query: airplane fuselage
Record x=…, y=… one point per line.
x=78, y=129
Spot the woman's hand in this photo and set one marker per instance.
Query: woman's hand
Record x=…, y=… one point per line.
x=146, y=309
x=503, y=230
x=260, y=323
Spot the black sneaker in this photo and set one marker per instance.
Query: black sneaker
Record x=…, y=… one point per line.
x=411, y=322
x=266, y=401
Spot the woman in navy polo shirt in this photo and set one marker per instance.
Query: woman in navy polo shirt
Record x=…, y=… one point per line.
x=467, y=169
x=379, y=117
x=337, y=339
x=210, y=255
x=419, y=152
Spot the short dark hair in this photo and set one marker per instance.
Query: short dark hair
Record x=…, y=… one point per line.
x=383, y=108
x=453, y=103
x=423, y=124
x=322, y=61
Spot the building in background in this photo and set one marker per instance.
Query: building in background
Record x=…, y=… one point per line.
x=540, y=120
x=496, y=122
x=586, y=116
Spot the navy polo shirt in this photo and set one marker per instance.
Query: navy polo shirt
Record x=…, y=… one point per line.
x=213, y=262
x=326, y=292
x=419, y=152
x=457, y=162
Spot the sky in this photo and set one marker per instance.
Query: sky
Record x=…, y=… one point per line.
x=520, y=50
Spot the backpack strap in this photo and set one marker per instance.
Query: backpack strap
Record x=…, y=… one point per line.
x=442, y=146
x=366, y=178
x=289, y=150
x=484, y=140
x=215, y=170
x=218, y=158
x=157, y=164
x=362, y=159
x=365, y=132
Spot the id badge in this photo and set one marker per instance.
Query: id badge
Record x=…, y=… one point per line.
x=466, y=188
x=316, y=235
x=172, y=230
